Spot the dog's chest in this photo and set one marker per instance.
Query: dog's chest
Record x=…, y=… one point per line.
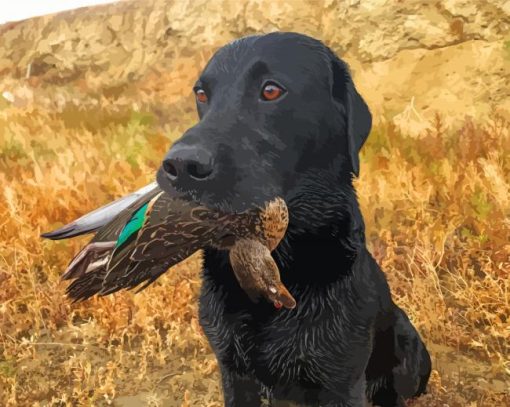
x=297, y=349
x=286, y=346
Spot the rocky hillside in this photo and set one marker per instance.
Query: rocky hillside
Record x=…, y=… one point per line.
x=410, y=58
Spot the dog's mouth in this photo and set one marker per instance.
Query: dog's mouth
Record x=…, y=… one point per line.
x=228, y=203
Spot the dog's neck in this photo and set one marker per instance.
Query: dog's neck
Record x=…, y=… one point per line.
x=325, y=233
x=324, y=236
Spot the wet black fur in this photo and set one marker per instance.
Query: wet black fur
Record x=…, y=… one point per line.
x=346, y=341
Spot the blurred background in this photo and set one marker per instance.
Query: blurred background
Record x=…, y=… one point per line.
x=90, y=99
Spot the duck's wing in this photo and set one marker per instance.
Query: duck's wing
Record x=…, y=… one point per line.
x=143, y=272
x=171, y=225
x=100, y=217
x=97, y=253
x=170, y=233
x=151, y=238
x=146, y=272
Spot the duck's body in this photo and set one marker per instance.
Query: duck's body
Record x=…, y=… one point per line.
x=155, y=231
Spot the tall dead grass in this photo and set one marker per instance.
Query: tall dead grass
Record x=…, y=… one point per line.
x=437, y=214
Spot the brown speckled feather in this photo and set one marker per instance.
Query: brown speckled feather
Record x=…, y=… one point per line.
x=172, y=231
x=257, y=272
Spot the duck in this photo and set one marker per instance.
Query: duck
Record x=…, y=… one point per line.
x=151, y=231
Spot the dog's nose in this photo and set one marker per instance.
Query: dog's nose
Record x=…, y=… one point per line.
x=188, y=162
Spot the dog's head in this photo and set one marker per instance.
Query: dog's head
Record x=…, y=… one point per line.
x=275, y=111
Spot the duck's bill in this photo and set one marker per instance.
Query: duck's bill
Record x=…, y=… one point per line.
x=280, y=296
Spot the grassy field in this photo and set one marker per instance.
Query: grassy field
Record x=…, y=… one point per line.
x=87, y=122
x=436, y=209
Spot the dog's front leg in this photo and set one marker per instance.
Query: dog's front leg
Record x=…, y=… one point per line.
x=239, y=391
x=352, y=395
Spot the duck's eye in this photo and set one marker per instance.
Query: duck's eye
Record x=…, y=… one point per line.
x=271, y=91
x=201, y=95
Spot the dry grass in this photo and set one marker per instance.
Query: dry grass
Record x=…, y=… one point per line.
x=437, y=213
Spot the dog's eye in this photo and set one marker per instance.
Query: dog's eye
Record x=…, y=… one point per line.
x=271, y=91
x=201, y=95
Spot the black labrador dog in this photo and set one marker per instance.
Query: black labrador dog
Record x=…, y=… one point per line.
x=280, y=116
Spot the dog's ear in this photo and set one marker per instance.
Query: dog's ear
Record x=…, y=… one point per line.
x=358, y=117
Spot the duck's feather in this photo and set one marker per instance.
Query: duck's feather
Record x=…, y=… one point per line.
x=149, y=237
x=169, y=235
x=90, y=254
x=94, y=220
x=169, y=227
x=152, y=234
x=130, y=274
x=112, y=230
x=105, y=240
x=134, y=224
x=86, y=285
